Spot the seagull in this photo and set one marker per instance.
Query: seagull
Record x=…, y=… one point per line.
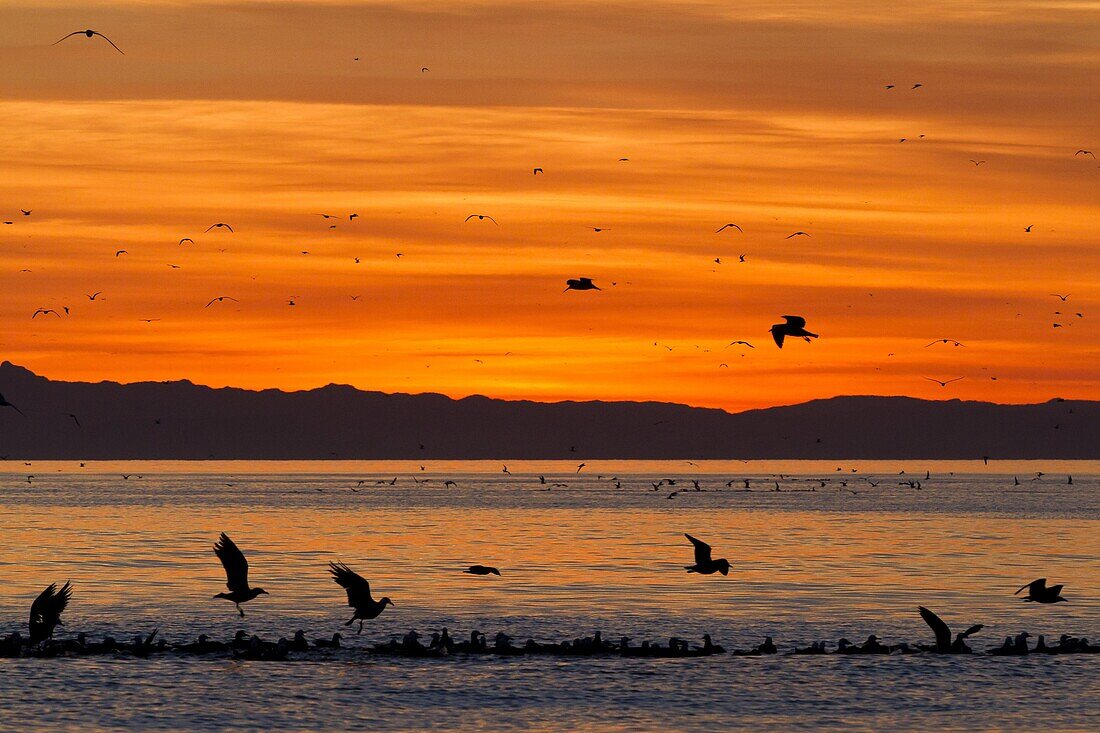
x=481, y=570
x=536, y=171
x=942, y=631
x=121, y=252
x=74, y=417
x=89, y=33
x=148, y=320
x=581, y=283
x=187, y=239
x=359, y=598
x=889, y=86
x=219, y=225
x=727, y=226
x=704, y=565
x=423, y=69
x=1028, y=228
x=796, y=234
x=481, y=217
x=5, y=403
x=328, y=216
x=795, y=326
x=945, y=341
x=1062, y=297
x=916, y=86
x=942, y=383
x=94, y=295
x=46, y=611
x=44, y=311
x=599, y=229
x=236, y=573
x=745, y=343
x=219, y=299
x=1038, y=592
x=976, y=162
x=26, y=212
x=741, y=258
x=1084, y=152
x=352, y=217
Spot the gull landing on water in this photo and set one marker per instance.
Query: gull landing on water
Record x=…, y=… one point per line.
x=236, y=573
x=359, y=597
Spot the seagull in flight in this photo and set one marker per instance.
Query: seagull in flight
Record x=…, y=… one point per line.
x=26, y=212
x=1062, y=297
x=943, y=383
x=795, y=326
x=536, y=171
x=796, y=234
x=219, y=225
x=1084, y=152
x=727, y=226
x=945, y=341
x=5, y=403
x=121, y=252
x=359, y=597
x=704, y=564
x=236, y=573
x=89, y=33
x=745, y=343
x=1038, y=592
x=44, y=311
x=46, y=611
x=219, y=299
x=581, y=283
x=976, y=162
x=1028, y=228
x=481, y=217
x=187, y=239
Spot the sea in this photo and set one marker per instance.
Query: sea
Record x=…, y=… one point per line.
x=819, y=550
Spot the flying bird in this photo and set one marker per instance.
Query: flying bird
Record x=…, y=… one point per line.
x=26, y=212
x=704, y=564
x=47, y=609
x=187, y=239
x=1028, y=228
x=219, y=299
x=944, y=644
x=536, y=171
x=916, y=86
x=1038, y=592
x=481, y=570
x=219, y=225
x=481, y=217
x=121, y=252
x=796, y=234
x=1062, y=297
x=74, y=417
x=236, y=573
x=943, y=383
x=581, y=283
x=5, y=403
x=727, y=226
x=945, y=341
x=94, y=295
x=89, y=33
x=744, y=343
x=359, y=597
x=1084, y=152
x=795, y=326
x=44, y=311
x=976, y=162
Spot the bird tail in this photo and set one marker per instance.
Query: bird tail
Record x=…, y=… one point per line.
x=813, y=335
x=350, y=621
x=691, y=568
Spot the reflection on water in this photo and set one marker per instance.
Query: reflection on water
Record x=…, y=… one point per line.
x=834, y=561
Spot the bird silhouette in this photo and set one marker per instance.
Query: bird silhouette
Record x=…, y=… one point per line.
x=1028, y=228
x=5, y=403
x=536, y=171
x=236, y=573
x=187, y=239
x=1038, y=592
x=704, y=564
x=944, y=643
x=219, y=225
x=1084, y=152
x=94, y=295
x=796, y=234
x=359, y=597
x=121, y=252
x=795, y=326
x=580, y=283
x=1063, y=298
x=219, y=299
x=945, y=341
x=46, y=611
x=944, y=383
x=976, y=162
x=727, y=226
x=89, y=33
x=44, y=311
x=744, y=343
x=481, y=570
x=481, y=217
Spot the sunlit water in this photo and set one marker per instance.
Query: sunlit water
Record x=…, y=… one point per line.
x=837, y=561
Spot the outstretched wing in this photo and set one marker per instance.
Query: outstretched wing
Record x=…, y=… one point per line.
x=108, y=40
x=939, y=628
x=234, y=562
x=1035, y=586
x=80, y=33
x=702, y=550
x=355, y=584
x=1055, y=590
x=778, y=334
x=51, y=603
x=795, y=321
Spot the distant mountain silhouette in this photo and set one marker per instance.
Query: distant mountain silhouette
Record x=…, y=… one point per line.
x=339, y=421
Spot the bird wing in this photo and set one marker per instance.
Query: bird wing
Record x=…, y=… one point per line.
x=939, y=628
x=355, y=584
x=777, y=334
x=79, y=33
x=108, y=40
x=973, y=630
x=702, y=550
x=471, y=216
x=493, y=220
x=234, y=562
x=1055, y=590
x=50, y=603
x=795, y=321
x=1033, y=586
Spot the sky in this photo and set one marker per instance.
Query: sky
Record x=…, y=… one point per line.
x=771, y=115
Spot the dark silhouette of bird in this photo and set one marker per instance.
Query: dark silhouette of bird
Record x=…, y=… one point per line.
x=219, y=225
x=1084, y=152
x=219, y=299
x=94, y=295
x=236, y=573
x=74, y=417
x=945, y=341
x=795, y=326
x=352, y=217
x=704, y=564
x=890, y=86
x=89, y=33
x=187, y=239
x=481, y=217
x=26, y=212
x=744, y=343
x=976, y=162
x=424, y=69
x=5, y=403
x=1062, y=297
x=944, y=383
x=46, y=611
x=580, y=283
x=359, y=597
x=121, y=252
x=599, y=229
x=44, y=311
x=944, y=643
x=1038, y=592
x=481, y=570
x=796, y=234
x=741, y=258
x=727, y=226
x=1028, y=228
x=916, y=86
x=536, y=171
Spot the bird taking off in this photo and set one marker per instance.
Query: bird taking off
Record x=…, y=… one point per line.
x=359, y=597
x=89, y=33
x=1038, y=592
x=795, y=326
x=944, y=644
x=236, y=573
x=704, y=564
x=46, y=611
x=481, y=570
x=580, y=283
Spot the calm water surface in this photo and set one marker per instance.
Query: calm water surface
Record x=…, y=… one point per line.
x=836, y=561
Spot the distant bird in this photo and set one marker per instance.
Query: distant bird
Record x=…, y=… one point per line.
x=187, y=239
x=1062, y=297
x=481, y=570
x=1038, y=592
x=943, y=383
x=599, y=229
x=236, y=573
x=727, y=226
x=744, y=343
x=219, y=299
x=328, y=216
x=536, y=171
x=916, y=86
x=704, y=564
x=74, y=417
x=580, y=466
x=481, y=217
x=121, y=252
x=26, y=212
x=944, y=643
x=795, y=326
x=148, y=320
x=889, y=86
x=976, y=162
x=89, y=33
x=717, y=260
x=174, y=267
x=47, y=609
x=424, y=69
x=359, y=597
x=44, y=311
x=1028, y=228
x=219, y=225
x=504, y=469
x=1084, y=152
x=5, y=403
x=94, y=295
x=945, y=341
x=623, y=160
x=352, y=217
x=796, y=234
x=580, y=283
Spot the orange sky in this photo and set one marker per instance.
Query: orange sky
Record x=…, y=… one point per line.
x=771, y=115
